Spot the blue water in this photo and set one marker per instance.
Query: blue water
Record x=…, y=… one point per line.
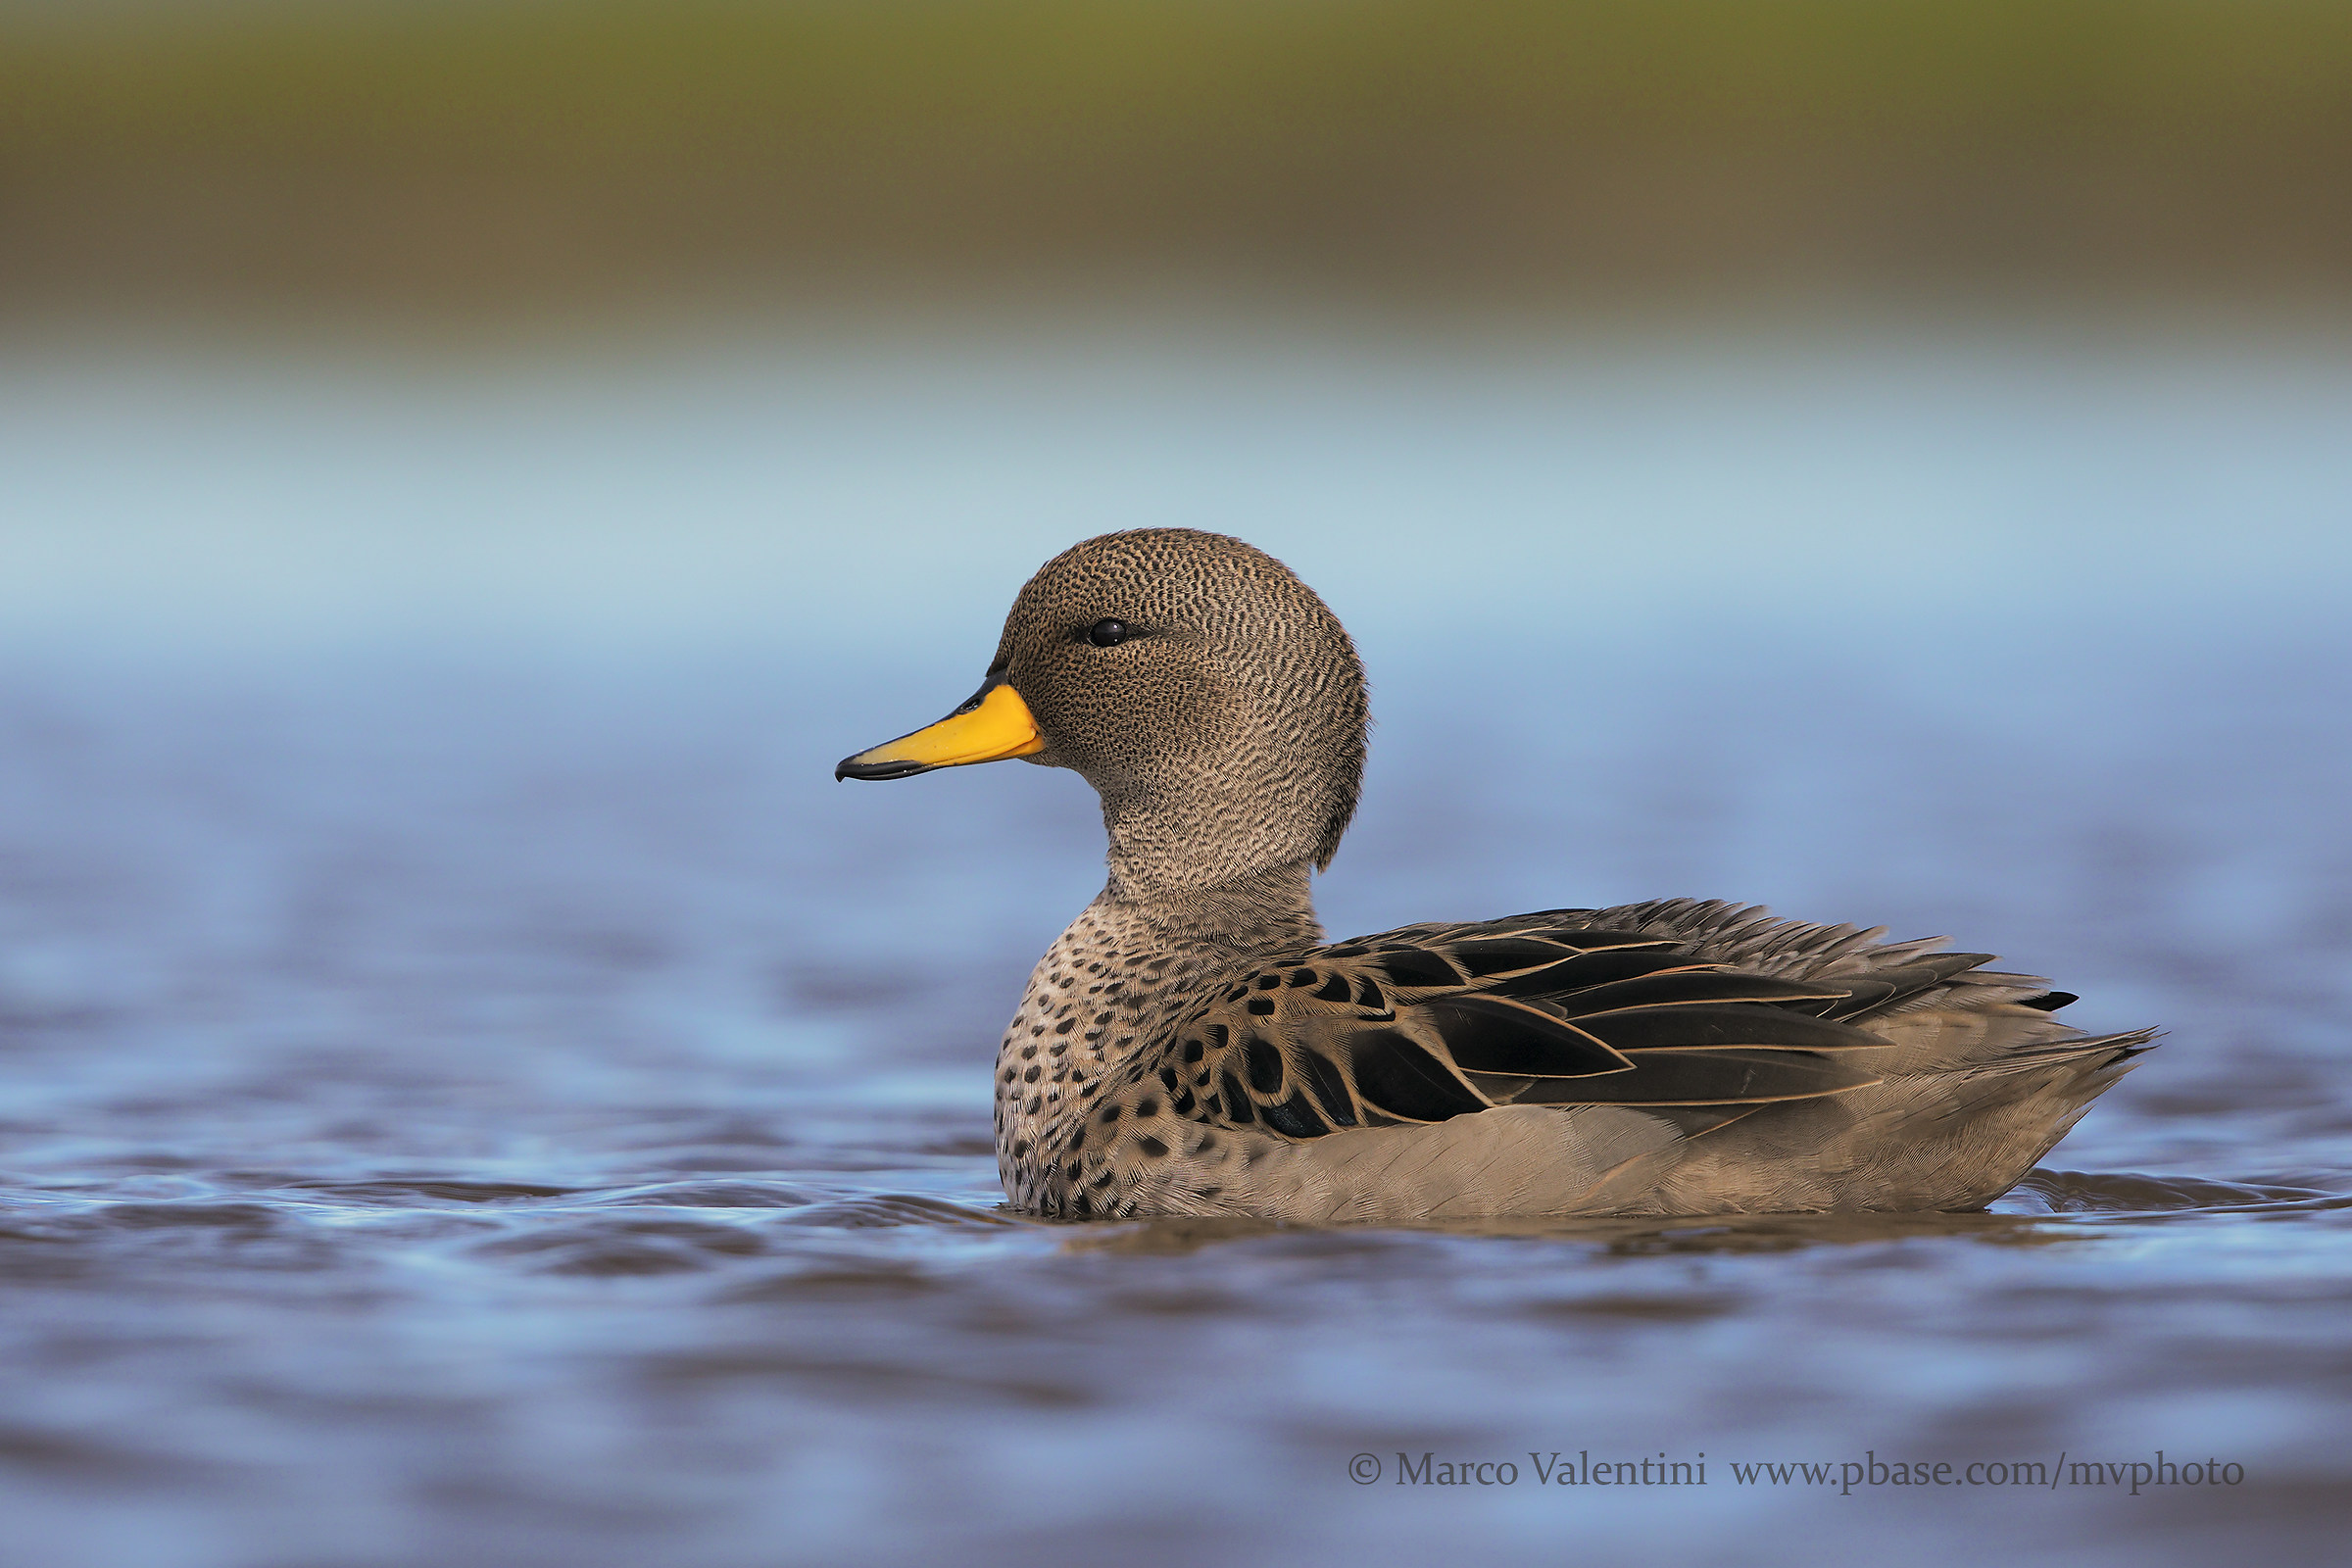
x=472, y=1090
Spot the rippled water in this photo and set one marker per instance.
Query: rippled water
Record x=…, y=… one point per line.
x=496, y=1102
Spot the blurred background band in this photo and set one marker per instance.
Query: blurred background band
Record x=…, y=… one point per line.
x=542, y=154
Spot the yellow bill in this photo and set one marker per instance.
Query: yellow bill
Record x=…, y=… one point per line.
x=992, y=725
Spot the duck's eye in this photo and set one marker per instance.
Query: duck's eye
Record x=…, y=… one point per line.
x=1109, y=633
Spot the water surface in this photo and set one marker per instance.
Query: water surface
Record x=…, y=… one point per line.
x=471, y=1089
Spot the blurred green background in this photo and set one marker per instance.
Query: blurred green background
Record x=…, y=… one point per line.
x=616, y=154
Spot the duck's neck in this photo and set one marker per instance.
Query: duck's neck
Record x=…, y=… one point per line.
x=1228, y=852
x=1260, y=910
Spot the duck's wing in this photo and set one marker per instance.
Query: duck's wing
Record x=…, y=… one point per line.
x=1426, y=1023
x=1879, y=978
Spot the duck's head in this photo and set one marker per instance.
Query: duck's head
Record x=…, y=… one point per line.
x=1208, y=696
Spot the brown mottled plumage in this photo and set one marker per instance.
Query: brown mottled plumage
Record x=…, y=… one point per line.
x=1190, y=1046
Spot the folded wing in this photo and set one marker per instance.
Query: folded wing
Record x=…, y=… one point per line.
x=1432, y=1022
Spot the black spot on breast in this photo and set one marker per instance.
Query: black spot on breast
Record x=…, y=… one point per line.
x=1260, y=1005
x=1264, y=1063
x=1237, y=1100
x=1030, y=1076
x=1153, y=1148
x=1351, y=951
x=1064, y=1027
x=1182, y=1102
x=1267, y=982
x=1296, y=1117
x=1147, y=1106
x=1191, y=1051
x=1302, y=977
x=1335, y=989
x=1217, y=1035
x=1110, y=1113
x=1368, y=995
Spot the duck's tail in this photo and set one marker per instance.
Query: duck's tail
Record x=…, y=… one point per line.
x=1978, y=1077
x=1948, y=1135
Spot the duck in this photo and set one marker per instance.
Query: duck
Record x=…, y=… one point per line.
x=1193, y=1046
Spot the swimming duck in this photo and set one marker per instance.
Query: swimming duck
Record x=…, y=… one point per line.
x=1191, y=1044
